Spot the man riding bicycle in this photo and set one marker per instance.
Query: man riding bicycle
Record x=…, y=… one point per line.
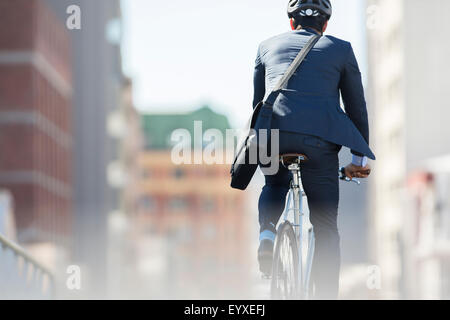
x=311, y=122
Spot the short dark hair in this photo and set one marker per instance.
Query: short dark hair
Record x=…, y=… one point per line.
x=311, y=22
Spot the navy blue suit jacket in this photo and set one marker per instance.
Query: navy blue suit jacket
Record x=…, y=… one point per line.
x=311, y=102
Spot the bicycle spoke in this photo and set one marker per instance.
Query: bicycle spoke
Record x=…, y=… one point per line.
x=285, y=280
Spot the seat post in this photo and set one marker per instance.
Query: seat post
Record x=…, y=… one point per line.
x=295, y=169
x=292, y=162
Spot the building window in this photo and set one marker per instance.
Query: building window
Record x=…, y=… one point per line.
x=113, y=31
x=208, y=205
x=178, y=173
x=178, y=204
x=148, y=203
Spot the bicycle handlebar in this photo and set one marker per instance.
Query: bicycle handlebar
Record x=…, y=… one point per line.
x=343, y=177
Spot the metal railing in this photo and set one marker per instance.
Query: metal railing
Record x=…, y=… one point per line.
x=21, y=276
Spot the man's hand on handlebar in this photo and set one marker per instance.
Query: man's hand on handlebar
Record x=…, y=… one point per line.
x=353, y=171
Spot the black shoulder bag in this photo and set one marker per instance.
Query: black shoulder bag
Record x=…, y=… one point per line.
x=244, y=167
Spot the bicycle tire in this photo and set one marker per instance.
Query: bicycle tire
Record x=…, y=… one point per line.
x=285, y=284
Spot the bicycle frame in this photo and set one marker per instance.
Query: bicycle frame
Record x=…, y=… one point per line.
x=294, y=204
x=295, y=198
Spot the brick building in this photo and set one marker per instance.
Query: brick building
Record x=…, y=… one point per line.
x=192, y=230
x=97, y=93
x=35, y=120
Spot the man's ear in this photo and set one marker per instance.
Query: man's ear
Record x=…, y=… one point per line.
x=325, y=26
x=292, y=24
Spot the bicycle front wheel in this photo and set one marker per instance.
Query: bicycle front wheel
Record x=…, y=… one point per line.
x=285, y=283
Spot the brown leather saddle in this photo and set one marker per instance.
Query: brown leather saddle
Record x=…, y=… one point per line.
x=293, y=158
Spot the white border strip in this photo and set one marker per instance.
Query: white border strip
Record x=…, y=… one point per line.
x=42, y=123
x=41, y=64
x=36, y=178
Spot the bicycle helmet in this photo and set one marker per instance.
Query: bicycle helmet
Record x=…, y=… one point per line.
x=309, y=8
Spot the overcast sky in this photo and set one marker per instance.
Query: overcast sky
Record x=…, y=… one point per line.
x=182, y=54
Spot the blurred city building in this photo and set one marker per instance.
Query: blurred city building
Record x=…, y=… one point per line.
x=124, y=174
x=98, y=84
x=353, y=219
x=125, y=126
x=409, y=101
x=36, y=126
x=192, y=230
x=428, y=233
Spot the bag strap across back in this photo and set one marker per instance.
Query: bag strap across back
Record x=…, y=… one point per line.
x=270, y=100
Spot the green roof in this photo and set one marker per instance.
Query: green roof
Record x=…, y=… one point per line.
x=158, y=128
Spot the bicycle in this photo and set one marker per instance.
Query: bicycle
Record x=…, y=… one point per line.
x=294, y=243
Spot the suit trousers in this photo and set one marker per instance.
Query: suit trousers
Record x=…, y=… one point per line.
x=320, y=181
